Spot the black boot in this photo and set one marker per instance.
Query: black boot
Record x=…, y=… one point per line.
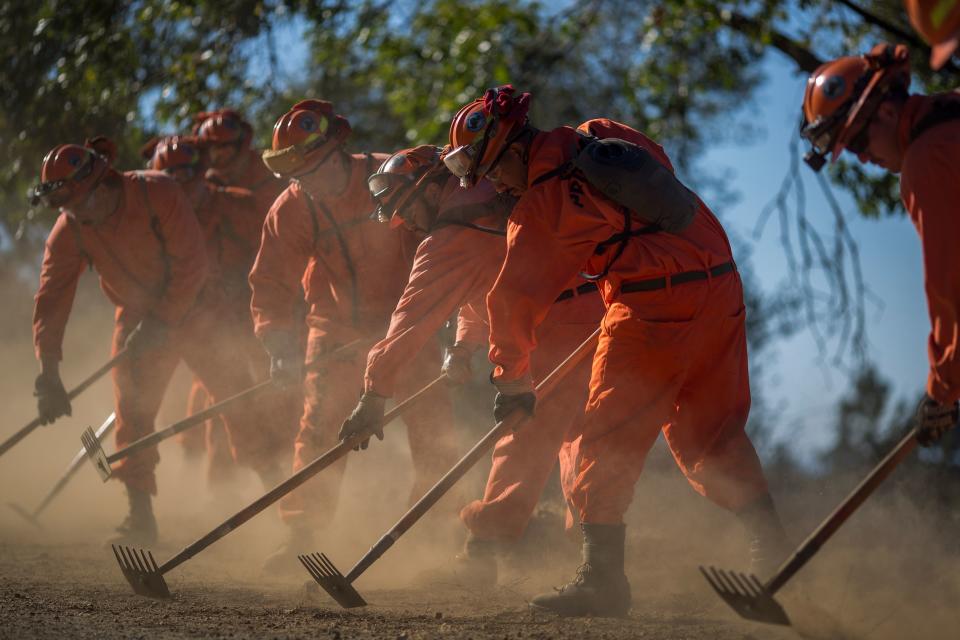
x=600, y=588
x=768, y=542
x=283, y=561
x=476, y=565
x=139, y=528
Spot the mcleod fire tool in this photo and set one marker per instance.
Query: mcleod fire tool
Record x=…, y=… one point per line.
x=146, y=576
x=103, y=462
x=340, y=587
x=753, y=599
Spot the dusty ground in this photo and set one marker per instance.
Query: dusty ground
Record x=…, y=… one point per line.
x=890, y=574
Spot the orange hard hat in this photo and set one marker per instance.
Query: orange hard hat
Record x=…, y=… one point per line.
x=69, y=172
x=937, y=22
x=400, y=177
x=304, y=137
x=843, y=94
x=177, y=156
x=223, y=126
x=482, y=130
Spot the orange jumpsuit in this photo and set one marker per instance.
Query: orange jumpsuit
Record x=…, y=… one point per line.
x=671, y=359
x=353, y=270
x=231, y=225
x=455, y=267
x=930, y=189
x=151, y=259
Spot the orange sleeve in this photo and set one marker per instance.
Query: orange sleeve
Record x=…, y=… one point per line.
x=472, y=327
x=63, y=262
x=929, y=188
x=445, y=273
x=185, y=248
x=549, y=240
x=286, y=246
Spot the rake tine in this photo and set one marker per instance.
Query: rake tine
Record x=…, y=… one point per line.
x=308, y=565
x=117, y=555
x=709, y=578
x=146, y=562
x=745, y=587
x=728, y=584
x=153, y=562
x=333, y=571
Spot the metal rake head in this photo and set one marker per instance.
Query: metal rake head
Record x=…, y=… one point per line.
x=329, y=577
x=746, y=595
x=96, y=454
x=30, y=517
x=140, y=570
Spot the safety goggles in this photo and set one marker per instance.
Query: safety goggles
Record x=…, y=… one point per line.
x=182, y=173
x=54, y=194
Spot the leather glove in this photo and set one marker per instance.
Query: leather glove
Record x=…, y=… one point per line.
x=513, y=394
x=933, y=420
x=52, y=400
x=150, y=333
x=505, y=403
x=456, y=365
x=366, y=418
x=286, y=362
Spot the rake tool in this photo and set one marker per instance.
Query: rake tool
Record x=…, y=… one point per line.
x=102, y=462
x=146, y=577
x=70, y=471
x=340, y=587
x=73, y=393
x=753, y=599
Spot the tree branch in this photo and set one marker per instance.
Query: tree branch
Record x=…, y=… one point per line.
x=806, y=60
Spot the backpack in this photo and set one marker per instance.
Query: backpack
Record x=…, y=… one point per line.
x=630, y=176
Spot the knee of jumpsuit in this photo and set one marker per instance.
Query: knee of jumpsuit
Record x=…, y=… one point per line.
x=707, y=438
x=330, y=394
x=637, y=373
x=194, y=441
x=139, y=385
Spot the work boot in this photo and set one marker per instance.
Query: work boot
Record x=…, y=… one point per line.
x=139, y=528
x=768, y=544
x=600, y=588
x=283, y=561
x=476, y=565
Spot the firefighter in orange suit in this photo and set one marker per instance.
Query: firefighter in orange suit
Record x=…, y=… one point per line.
x=140, y=233
x=454, y=268
x=672, y=352
x=319, y=233
x=862, y=104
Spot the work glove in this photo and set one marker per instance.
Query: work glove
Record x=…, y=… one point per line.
x=286, y=362
x=513, y=394
x=456, y=365
x=933, y=420
x=150, y=333
x=366, y=418
x=52, y=400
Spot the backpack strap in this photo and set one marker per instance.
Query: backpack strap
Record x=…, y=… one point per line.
x=78, y=238
x=313, y=205
x=942, y=111
x=157, y=231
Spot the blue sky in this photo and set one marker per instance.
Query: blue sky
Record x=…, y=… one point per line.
x=889, y=252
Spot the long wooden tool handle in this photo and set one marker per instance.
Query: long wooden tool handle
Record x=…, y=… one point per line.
x=479, y=450
x=75, y=464
x=828, y=527
x=204, y=415
x=188, y=422
x=290, y=483
x=73, y=393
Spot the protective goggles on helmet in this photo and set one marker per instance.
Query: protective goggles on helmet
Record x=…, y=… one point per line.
x=394, y=192
x=54, y=194
x=182, y=172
